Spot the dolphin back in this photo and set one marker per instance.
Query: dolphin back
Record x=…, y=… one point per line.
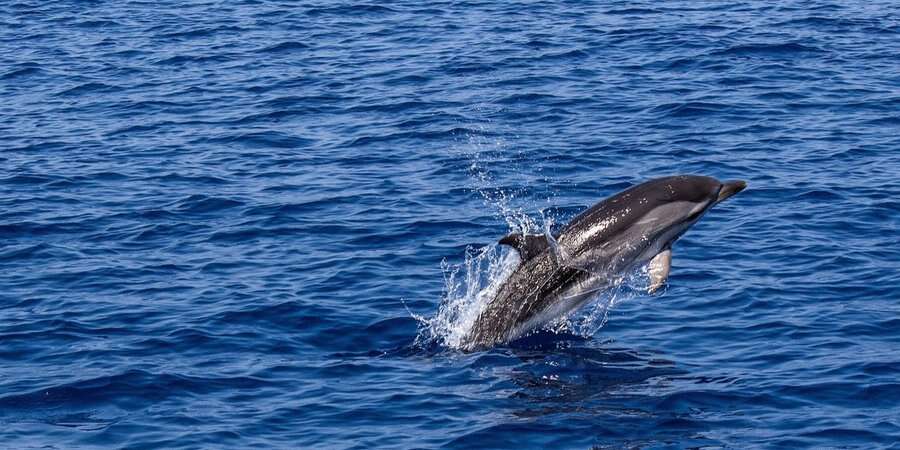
x=616, y=214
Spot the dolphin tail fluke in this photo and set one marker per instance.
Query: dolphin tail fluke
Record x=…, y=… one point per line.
x=528, y=245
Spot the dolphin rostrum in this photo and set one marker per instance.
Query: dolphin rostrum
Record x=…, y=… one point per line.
x=559, y=274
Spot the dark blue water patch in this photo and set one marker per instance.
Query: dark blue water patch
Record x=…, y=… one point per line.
x=204, y=204
x=202, y=32
x=351, y=10
x=285, y=47
x=22, y=72
x=89, y=88
x=688, y=109
x=633, y=11
x=130, y=389
x=790, y=49
x=200, y=60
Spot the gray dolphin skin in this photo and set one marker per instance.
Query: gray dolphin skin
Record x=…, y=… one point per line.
x=559, y=274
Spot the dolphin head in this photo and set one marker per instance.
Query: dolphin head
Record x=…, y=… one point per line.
x=730, y=188
x=676, y=203
x=701, y=192
x=657, y=211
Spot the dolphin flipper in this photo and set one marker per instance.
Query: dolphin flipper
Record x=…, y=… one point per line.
x=528, y=245
x=659, y=269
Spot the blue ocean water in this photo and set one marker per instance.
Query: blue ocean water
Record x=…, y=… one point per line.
x=234, y=224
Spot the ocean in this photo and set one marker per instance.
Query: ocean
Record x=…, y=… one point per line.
x=247, y=224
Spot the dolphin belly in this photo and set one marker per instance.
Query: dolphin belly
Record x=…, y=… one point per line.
x=561, y=305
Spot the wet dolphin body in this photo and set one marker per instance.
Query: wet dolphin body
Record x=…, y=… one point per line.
x=559, y=274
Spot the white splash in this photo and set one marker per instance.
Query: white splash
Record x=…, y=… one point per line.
x=468, y=288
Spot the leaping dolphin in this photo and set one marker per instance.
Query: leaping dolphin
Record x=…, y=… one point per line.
x=559, y=274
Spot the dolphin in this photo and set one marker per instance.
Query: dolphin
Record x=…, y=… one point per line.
x=559, y=273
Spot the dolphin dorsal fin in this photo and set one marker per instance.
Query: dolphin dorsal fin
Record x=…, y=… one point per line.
x=528, y=245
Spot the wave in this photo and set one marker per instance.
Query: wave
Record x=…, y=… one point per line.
x=768, y=49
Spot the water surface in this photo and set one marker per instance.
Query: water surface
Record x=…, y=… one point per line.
x=220, y=220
